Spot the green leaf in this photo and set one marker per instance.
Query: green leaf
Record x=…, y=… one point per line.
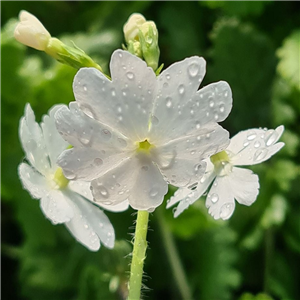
x=238, y=8
x=244, y=57
x=289, y=59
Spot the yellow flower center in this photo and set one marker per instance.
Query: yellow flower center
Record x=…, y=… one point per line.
x=60, y=179
x=144, y=146
x=222, y=163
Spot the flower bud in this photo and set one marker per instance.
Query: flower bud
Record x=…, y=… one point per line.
x=31, y=32
x=131, y=28
x=142, y=39
x=149, y=44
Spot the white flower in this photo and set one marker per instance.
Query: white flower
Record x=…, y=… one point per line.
x=61, y=201
x=227, y=181
x=31, y=32
x=137, y=132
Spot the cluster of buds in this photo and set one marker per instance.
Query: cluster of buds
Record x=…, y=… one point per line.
x=141, y=37
x=31, y=32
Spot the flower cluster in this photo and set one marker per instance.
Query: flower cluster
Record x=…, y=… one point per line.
x=227, y=180
x=135, y=133
x=61, y=200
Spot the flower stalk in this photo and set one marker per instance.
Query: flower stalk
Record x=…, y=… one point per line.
x=138, y=255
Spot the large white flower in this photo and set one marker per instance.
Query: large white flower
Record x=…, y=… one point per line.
x=137, y=132
x=61, y=200
x=227, y=181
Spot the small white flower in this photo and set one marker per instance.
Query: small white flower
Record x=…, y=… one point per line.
x=61, y=201
x=227, y=181
x=31, y=32
x=136, y=133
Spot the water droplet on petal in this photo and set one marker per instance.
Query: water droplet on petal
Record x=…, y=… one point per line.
x=193, y=69
x=211, y=103
x=257, y=144
x=260, y=154
x=106, y=134
x=226, y=210
x=98, y=161
x=272, y=138
x=181, y=89
x=214, y=198
x=168, y=76
x=103, y=191
x=119, y=108
x=251, y=136
x=130, y=75
x=69, y=174
x=246, y=143
x=169, y=102
x=85, y=88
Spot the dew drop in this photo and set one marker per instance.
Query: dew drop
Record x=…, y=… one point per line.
x=260, y=154
x=226, y=94
x=103, y=191
x=192, y=112
x=216, y=117
x=113, y=92
x=272, y=138
x=69, y=174
x=257, y=144
x=222, y=108
x=98, y=161
x=168, y=76
x=226, y=210
x=130, y=75
x=181, y=89
x=87, y=109
x=106, y=134
x=193, y=69
x=198, y=125
x=251, y=136
x=169, y=102
x=119, y=108
x=246, y=143
x=101, y=225
x=198, y=138
x=84, y=88
x=86, y=226
x=214, y=198
x=211, y=103
x=193, y=152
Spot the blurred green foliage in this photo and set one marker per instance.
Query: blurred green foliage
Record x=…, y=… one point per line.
x=255, y=46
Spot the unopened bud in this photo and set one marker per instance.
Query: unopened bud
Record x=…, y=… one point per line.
x=31, y=32
x=131, y=28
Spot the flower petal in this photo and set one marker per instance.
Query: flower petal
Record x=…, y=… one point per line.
x=90, y=224
x=83, y=131
x=187, y=196
x=181, y=160
x=33, y=141
x=32, y=181
x=83, y=188
x=254, y=146
x=245, y=185
x=54, y=142
x=55, y=207
x=144, y=188
x=220, y=199
x=208, y=105
x=124, y=103
x=176, y=86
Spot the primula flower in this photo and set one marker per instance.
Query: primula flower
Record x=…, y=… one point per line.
x=227, y=181
x=136, y=133
x=31, y=32
x=61, y=200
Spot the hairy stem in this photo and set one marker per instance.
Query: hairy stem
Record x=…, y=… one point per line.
x=173, y=257
x=138, y=255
